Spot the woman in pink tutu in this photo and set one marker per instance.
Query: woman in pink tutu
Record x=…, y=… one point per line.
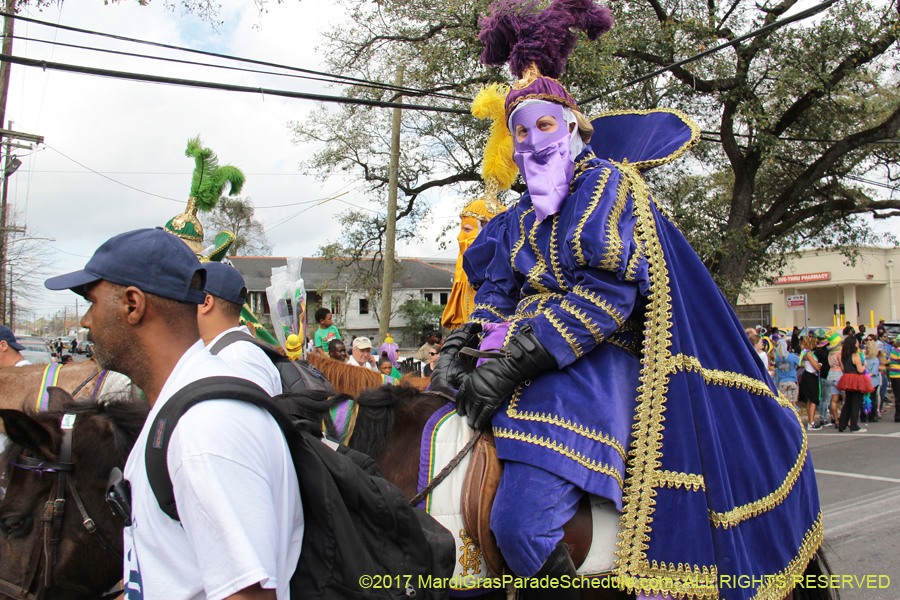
x=854, y=383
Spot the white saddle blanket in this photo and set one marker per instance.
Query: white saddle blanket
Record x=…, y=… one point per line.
x=448, y=437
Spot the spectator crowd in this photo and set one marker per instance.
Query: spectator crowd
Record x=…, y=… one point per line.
x=842, y=379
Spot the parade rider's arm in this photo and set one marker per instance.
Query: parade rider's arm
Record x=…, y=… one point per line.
x=602, y=296
x=489, y=271
x=487, y=264
x=609, y=270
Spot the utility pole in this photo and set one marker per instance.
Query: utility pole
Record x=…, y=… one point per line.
x=5, y=67
x=8, y=26
x=9, y=166
x=12, y=303
x=387, y=279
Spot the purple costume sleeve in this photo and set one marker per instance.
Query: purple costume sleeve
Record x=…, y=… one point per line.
x=487, y=265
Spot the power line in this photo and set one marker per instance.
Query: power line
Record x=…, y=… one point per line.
x=215, y=66
x=42, y=64
x=402, y=89
x=793, y=139
x=110, y=178
x=771, y=26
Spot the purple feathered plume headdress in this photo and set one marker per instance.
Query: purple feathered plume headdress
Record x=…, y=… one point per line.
x=537, y=43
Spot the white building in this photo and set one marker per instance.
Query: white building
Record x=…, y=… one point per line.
x=836, y=292
x=326, y=286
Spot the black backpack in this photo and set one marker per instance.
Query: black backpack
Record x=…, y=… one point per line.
x=358, y=527
x=296, y=375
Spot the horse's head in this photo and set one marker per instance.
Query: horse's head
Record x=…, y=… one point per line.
x=101, y=438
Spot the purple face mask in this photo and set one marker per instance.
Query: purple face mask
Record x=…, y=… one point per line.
x=544, y=159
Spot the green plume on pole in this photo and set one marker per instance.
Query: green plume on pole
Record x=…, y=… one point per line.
x=209, y=179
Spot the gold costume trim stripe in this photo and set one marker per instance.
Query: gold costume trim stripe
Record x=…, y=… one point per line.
x=564, y=332
x=521, y=241
x=638, y=190
x=686, y=580
x=494, y=311
x=680, y=362
x=645, y=454
x=554, y=255
x=614, y=245
x=581, y=167
x=633, y=347
x=584, y=319
x=773, y=589
x=742, y=513
x=529, y=300
x=540, y=268
x=616, y=316
x=595, y=199
x=564, y=450
x=674, y=479
x=513, y=412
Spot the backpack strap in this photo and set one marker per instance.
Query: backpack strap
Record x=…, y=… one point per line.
x=241, y=336
x=210, y=388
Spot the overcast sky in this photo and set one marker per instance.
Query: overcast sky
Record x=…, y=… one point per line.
x=136, y=132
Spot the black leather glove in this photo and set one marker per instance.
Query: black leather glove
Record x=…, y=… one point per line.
x=490, y=384
x=448, y=371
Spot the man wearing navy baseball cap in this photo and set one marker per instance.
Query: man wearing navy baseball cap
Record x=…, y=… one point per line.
x=241, y=518
x=9, y=350
x=222, y=332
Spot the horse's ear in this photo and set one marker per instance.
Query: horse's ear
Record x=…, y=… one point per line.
x=58, y=399
x=24, y=430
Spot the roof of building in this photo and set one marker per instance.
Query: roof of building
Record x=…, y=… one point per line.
x=322, y=273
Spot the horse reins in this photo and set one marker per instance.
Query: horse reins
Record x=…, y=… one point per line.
x=52, y=518
x=453, y=462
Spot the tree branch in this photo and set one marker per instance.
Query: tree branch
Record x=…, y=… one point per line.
x=698, y=83
x=850, y=64
x=793, y=192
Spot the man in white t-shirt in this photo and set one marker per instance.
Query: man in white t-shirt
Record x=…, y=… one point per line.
x=10, y=348
x=241, y=518
x=361, y=354
x=220, y=314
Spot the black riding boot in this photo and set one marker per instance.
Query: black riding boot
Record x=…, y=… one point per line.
x=559, y=563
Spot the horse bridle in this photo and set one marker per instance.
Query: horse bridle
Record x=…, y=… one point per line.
x=52, y=518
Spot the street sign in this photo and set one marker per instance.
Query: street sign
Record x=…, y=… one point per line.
x=796, y=302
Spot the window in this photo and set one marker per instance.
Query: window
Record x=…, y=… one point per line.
x=363, y=306
x=336, y=305
x=429, y=297
x=443, y=298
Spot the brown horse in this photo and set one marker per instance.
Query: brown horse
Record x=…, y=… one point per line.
x=346, y=379
x=80, y=564
x=21, y=384
x=352, y=380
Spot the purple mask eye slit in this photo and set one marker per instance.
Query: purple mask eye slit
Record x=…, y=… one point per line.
x=536, y=139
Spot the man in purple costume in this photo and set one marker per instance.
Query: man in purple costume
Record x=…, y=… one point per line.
x=604, y=384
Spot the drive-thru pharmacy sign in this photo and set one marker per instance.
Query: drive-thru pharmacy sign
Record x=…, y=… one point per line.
x=796, y=302
x=803, y=278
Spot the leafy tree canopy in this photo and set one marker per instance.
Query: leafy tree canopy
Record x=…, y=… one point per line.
x=791, y=116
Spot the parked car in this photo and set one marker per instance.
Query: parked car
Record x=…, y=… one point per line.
x=37, y=351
